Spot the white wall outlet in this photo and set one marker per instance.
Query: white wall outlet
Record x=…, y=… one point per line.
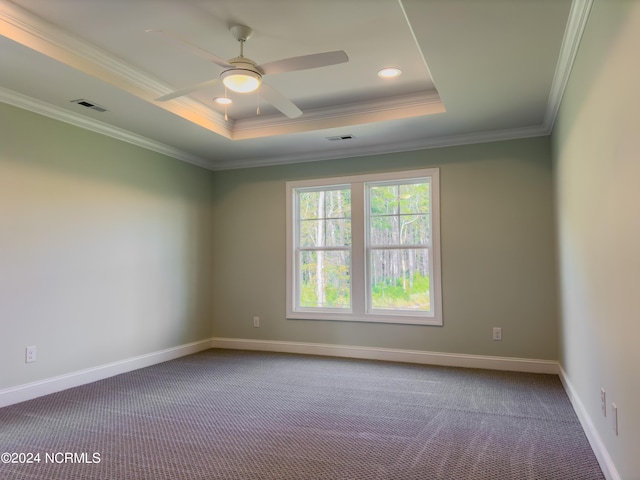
x=603, y=402
x=614, y=418
x=497, y=333
x=30, y=354
x=256, y=322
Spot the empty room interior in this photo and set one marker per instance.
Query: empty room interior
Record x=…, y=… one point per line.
x=268, y=203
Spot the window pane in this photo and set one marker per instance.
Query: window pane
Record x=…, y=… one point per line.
x=338, y=204
x=325, y=233
x=414, y=198
x=414, y=229
x=383, y=230
x=383, y=200
x=325, y=204
x=400, y=279
x=338, y=233
x=399, y=230
x=309, y=204
x=324, y=279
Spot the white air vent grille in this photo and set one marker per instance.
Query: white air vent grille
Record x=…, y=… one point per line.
x=338, y=138
x=88, y=104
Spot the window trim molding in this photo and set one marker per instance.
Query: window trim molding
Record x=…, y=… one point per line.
x=358, y=311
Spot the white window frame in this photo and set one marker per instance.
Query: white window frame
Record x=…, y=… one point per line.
x=361, y=310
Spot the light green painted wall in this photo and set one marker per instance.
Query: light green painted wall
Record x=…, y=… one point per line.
x=498, y=252
x=105, y=249
x=596, y=147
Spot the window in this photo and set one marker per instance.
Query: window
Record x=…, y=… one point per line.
x=365, y=248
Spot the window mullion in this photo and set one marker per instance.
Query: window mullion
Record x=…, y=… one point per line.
x=358, y=281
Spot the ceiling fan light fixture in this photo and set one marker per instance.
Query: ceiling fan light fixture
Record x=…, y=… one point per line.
x=240, y=80
x=222, y=100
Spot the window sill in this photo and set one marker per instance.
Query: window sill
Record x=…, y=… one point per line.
x=398, y=319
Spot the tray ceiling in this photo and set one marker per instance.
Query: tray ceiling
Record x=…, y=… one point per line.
x=472, y=70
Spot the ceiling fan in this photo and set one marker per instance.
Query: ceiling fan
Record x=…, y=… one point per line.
x=243, y=75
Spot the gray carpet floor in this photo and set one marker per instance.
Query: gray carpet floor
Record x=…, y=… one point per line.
x=223, y=414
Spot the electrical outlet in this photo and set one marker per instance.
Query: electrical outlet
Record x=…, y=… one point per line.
x=497, y=333
x=603, y=402
x=30, y=354
x=256, y=322
x=614, y=418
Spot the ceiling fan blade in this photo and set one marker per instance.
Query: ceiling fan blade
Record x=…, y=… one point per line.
x=184, y=91
x=282, y=103
x=304, y=62
x=193, y=47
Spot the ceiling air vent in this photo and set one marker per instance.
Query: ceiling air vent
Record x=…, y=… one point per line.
x=88, y=104
x=338, y=138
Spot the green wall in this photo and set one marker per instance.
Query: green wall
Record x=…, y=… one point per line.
x=596, y=146
x=105, y=249
x=498, y=252
x=110, y=251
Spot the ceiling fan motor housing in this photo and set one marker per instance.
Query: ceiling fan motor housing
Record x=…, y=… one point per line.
x=242, y=33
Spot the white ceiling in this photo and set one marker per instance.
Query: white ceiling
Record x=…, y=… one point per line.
x=473, y=71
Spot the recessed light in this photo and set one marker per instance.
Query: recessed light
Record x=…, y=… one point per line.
x=222, y=100
x=389, y=72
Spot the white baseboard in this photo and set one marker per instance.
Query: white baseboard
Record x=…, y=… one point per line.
x=28, y=391
x=392, y=355
x=604, y=459
x=597, y=445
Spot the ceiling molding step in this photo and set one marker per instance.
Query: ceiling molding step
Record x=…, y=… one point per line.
x=346, y=109
x=577, y=22
x=32, y=31
x=387, y=148
x=417, y=43
x=57, y=113
x=46, y=38
x=401, y=106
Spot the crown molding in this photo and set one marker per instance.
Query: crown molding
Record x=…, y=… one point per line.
x=577, y=22
x=52, y=111
x=57, y=113
x=423, y=144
